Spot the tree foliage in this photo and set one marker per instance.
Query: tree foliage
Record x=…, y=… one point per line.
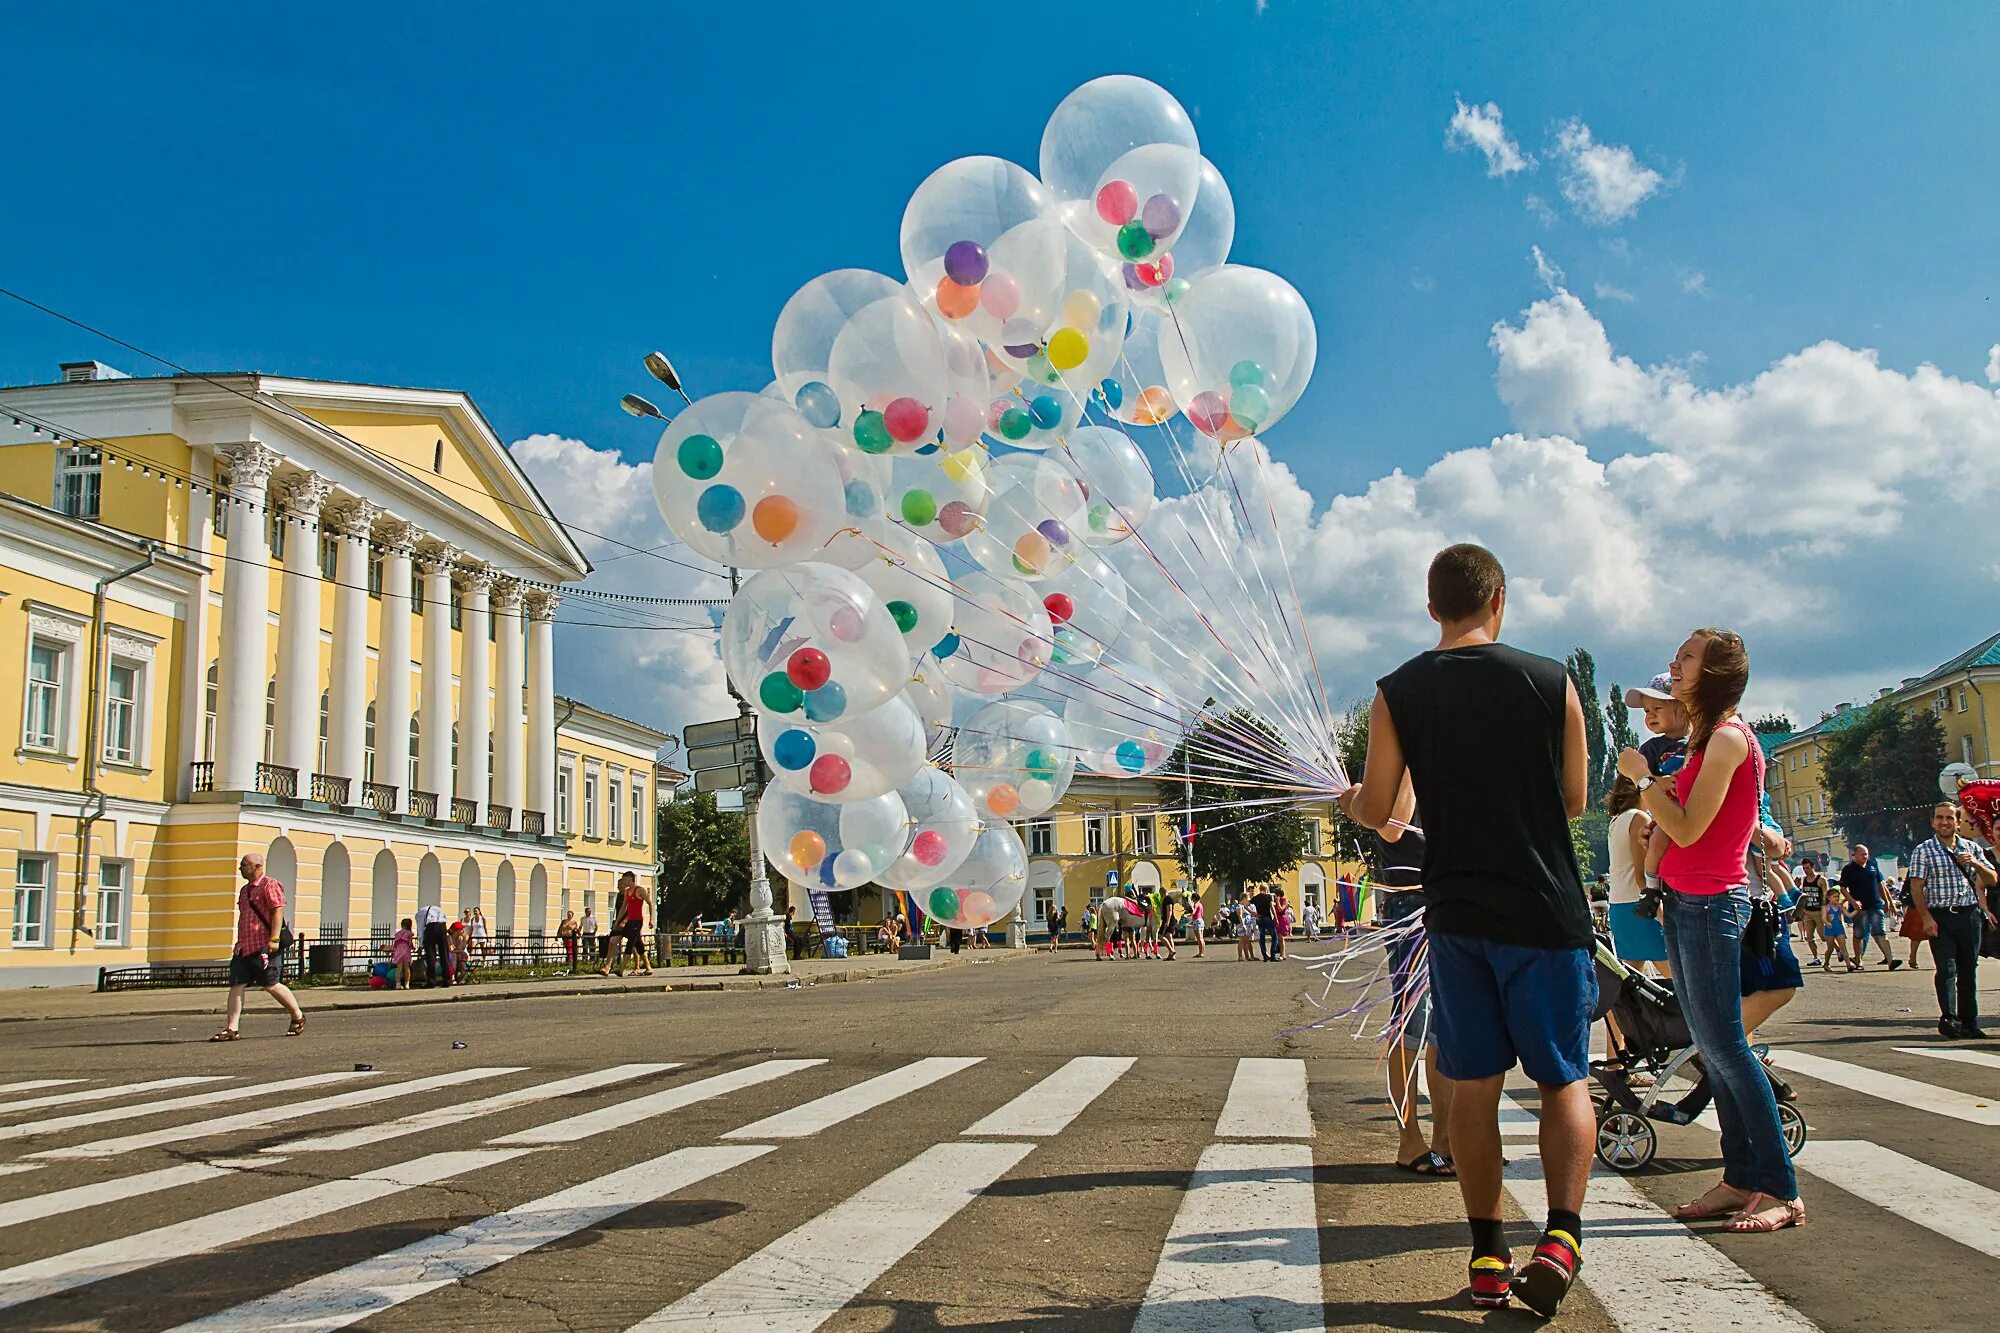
x=1881, y=775
x=1599, y=761
x=706, y=854
x=1352, y=741
x=1773, y=724
x=1619, y=719
x=1236, y=843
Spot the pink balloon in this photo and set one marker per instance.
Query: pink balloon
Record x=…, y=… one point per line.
x=846, y=624
x=963, y=420
x=929, y=848
x=957, y=518
x=1118, y=202
x=1000, y=294
x=1209, y=412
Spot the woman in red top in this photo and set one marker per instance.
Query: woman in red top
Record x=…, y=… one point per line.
x=1710, y=814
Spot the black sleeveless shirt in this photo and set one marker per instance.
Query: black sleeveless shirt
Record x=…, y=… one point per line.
x=1482, y=730
x=1402, y=861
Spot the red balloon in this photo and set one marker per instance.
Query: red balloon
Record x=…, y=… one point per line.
x=1118, y=202
x=929, y=847
x=809, y=668
x=830, y=773
x=1209, y=412
x=907, y=420
x=1061, y=606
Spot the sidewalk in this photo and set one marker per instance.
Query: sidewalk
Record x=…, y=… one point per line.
x=80, y=1002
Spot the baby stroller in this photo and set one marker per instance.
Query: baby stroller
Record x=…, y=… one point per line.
x=1659, y=1054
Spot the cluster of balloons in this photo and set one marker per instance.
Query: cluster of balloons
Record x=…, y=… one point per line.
x=930, y=486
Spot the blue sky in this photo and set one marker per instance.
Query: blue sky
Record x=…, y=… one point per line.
x=520, y=206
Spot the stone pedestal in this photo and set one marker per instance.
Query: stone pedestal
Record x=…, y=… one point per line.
x=1017, y=934
x=764, y=943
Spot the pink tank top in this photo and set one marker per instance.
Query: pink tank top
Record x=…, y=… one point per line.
x=1714, y=864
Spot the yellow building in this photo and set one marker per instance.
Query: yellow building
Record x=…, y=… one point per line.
x=311, y=620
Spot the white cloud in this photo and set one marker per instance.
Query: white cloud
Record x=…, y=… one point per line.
x=1539, y=208
x=1694, y=282
x=1547, y=271
x=1604, y=183
x=1607, y=291
x=645, y=668
x=1993, y=364
x=1481, y=127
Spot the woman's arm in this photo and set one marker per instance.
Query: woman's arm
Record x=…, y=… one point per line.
x=1635, y=838
x=1725, y=753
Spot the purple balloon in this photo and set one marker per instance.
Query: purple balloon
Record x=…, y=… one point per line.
x=1057, y=534
x=1162, y=215
x=1133, y=282
x=1022, y=351
x=965, y=262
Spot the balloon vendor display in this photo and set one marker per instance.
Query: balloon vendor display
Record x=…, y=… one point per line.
x=966, y=585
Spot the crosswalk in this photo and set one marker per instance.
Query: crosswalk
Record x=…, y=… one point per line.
x=493, y=1163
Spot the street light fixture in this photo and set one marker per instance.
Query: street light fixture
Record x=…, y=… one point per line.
x=663, y=370
x=636, y=406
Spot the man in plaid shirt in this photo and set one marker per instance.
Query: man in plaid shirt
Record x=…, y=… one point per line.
x=1948, y=880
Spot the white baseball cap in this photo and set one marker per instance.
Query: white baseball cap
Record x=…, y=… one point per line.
x=1660, y=691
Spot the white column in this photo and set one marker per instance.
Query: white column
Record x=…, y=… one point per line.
x=347, y=702
x=299, y=498
x=392, y=662
x=507, y=738
x=434, y=724
x=475, y=709
x=542, y=706
x=241, y=678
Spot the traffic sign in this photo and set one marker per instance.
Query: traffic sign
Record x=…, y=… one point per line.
x=724, y=779
x=722, y=756
x=723, y=731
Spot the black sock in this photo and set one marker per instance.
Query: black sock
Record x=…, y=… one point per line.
x=1489, y=1238
x=1568, y=1223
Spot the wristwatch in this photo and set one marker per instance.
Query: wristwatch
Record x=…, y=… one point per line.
x=1645, y=782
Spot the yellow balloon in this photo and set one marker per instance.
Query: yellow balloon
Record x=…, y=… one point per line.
x=1081, y=309
x=1068, y=349
x=963, y=465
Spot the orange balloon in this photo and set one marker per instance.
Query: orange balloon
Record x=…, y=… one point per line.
x=1031, y=552
x=1155, y=405
x=955, y=301
x=1002, y=800
x=776, y=517
x=808, y=849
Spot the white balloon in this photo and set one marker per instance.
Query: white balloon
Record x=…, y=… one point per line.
x=1000, y=638
x=909, y=576
x=850, y=760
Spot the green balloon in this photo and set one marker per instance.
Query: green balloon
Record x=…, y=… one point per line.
x=1247, y=372
x=919, y=508
x=871, y=433
x=1015, y=424
x=777, y=693
x=700, y=456
x=1249, y=404
x=904, y=615
x=944, y=903
x=1100, y=518
x=1134, y=241
x=1041, y=765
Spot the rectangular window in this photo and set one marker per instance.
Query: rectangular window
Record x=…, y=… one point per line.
x=31, y=901
x=375, y=574
x=121, y=713
x=219, y=515
x=329, y=556
x=1041, y=837
x=1097, y=892
x=1045, y=902
x=111, y=903
x=1093, y=835
x=48, y=671
x=590, y=803
x=1961, y=701
x=641, y=826
x=275, y=534
x=457, y=610
x=417, y=591
x=614, y=807
x=565, y=779
x=1312, y=837
x=79, y=481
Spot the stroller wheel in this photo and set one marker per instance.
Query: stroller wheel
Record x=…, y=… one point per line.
x=1790, y=1120
x=1626, y=1141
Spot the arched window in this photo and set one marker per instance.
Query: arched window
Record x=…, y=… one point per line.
x=211, y=694
x=368, y=745
x=322, y=731
x=491, y=781
x=270, y=719
x=416, y=735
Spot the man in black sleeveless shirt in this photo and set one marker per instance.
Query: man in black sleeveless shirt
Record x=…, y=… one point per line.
x=1489, y=741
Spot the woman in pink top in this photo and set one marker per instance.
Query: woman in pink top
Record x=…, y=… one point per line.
x=1709, y=814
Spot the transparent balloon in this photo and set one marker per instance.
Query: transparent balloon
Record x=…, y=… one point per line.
x=1136, y=389
x=968, y=385
x=819, y=845
x=930, y=694
x=863, y=522
x=943, y=829
x=1240, y=352
x=1117, y=483
x=1033, y=519
x=1203, y=246
x=1000, y=638
x=859, y=355
x=907, y=573
x=1121, y=157
x=1089, y=606
x=1070, y=319
x=987, y=885
x=1123, y=719
x=813, y=641
x=951, y=226
x=745, y=480
x=939, y=496
x=854, y=759
x=1014, y=758
x=1034, y=416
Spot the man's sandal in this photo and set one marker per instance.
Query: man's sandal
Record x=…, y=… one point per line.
x=1549, y=1275
x=1762, y=1212
x=227, y=1034
x=1719, y=1201
x=297, y=1028
x=1430, y=1164
x=1492, y=1282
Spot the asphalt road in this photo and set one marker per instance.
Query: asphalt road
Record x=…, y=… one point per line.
x=1020, y=1141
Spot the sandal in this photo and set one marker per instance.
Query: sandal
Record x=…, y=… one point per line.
x=1430, y=1164
x=297, y=1028
x=1761, y=1212
x=227, y=1034
x=1709, y=1207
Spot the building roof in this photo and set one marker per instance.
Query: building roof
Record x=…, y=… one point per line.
x=576, y=710
x=1985, y=653
x=1839, y=721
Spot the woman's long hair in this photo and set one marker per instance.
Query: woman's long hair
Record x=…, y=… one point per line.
x=1623, y=796
x=1725, y=674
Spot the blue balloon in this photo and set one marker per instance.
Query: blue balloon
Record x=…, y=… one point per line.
x=946, y=646
x=1113, y=394
x=819, y=404
x=1131, y=756
x=826, y=878
x=720, y=508
x=860, y=499
x=826, y=703
x=793, y=750
x=1047, y=411
x=926, y=450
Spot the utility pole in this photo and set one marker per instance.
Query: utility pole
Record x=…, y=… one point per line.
x=763, y=930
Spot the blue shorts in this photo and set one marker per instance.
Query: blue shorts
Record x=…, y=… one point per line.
x=1873, y=925
x=1495, y=1004
x=1636, y=938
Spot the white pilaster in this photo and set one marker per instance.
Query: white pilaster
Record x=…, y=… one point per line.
x=475, y=708
x=299, y=498
x=434, y=723
x=347, y=702
x=392, y=661
x=541, y=607
x=246, y=612
x=507, y=737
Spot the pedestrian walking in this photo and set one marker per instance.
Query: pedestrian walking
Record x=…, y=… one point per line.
x=482, y=937
x=435, y=935
x=1310, y=920
x=1265, y=906
x=1489, y=741
x=1708, y=814
x=1811, y=910
x=567, y=933
x=588, y=929
x=1281, y=920
x=1862, y=880
x=1949, y=879
x=257, y=959
x=791, y=930
x=1910, y=925
x=1058, y=918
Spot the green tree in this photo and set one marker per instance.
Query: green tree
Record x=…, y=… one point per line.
x=706, y=855
x=1619, y=718
x=1881, y=774
x=1586, y=839
x=1774, y=724
x=1236, y=843
x=1583, y=671
x=1352, y=739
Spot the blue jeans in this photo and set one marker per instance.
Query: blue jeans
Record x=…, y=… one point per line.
x=1705, y=946
x=1267, y=939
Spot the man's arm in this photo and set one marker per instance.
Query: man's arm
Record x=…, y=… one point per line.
x=1576, y=754
x=1375, y=802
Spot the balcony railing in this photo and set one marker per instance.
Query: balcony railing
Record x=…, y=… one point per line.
x=380, y=797
x=533, y=822
x=464, y=811
x=277, y=780
x=500, y=817
x=330, y=790
x=424, y=804
x=201, y=775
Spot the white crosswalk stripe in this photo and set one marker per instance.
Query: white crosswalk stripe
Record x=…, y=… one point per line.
x=825, y=1112
x=1243, y=1252
x=363, y=1135
x=1954, y=1208
x=110, y=1114
x=580, y=1128
x=1891, y=1087
x=31, y=1084
x=57, y=1202
x=1957, y=1054
x=108, y=1093
x=1048, y=1108
x=1267, y=1100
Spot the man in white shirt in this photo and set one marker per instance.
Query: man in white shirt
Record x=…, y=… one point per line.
x=431, y=929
